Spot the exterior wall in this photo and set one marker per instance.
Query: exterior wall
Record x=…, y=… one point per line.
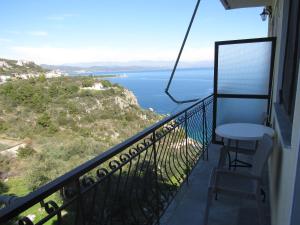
x=295, y=217
x=283, y=163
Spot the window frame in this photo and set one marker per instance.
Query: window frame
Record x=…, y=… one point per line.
x=291, y=60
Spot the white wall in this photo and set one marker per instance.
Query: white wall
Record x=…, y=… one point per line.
x=296, y=147
x=284, y=160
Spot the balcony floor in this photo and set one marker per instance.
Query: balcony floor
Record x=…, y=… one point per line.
x=188, y=206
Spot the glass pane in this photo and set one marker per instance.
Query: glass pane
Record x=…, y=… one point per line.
x=244, y=68
x=237, y=110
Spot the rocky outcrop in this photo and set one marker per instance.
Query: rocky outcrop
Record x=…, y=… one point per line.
x=130, y=97
x=128, y=100
x=12, y=151
x=4, y=64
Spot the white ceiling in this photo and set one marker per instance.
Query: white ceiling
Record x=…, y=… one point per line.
x=234, y=4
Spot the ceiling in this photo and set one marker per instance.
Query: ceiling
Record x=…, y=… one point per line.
x=235, y=4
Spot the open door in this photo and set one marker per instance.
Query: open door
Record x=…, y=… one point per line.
x=243, y=74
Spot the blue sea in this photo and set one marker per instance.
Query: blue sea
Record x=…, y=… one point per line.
x=149, y=87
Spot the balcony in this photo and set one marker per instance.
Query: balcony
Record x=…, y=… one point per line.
x=160, y=176
x=132, y=183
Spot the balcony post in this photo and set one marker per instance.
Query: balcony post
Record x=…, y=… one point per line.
x=157, y=193
x=204, y=125
x=186, y=147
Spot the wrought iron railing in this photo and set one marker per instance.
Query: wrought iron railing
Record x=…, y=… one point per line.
x=132, y=183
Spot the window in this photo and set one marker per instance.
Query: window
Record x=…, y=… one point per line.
x=291, y=61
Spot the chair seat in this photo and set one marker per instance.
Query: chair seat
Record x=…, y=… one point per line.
x=232, y=183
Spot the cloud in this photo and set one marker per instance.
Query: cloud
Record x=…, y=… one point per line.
x=60, y=17
x=38, y=33
x=54, y=55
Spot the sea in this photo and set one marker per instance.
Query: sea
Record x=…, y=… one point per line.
x=149, y=87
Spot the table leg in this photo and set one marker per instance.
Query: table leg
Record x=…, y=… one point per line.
x=236, y=154
x=229, y=158
x=236, y=162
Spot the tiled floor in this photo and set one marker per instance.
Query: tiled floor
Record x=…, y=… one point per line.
x=188, y=206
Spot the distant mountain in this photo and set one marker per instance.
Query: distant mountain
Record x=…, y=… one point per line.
x=140, y=63
x=91, y=67
x=66, y=69
x=143, y=64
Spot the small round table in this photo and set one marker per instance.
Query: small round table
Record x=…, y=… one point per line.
x=243, y=132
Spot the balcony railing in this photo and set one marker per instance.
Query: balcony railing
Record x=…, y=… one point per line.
x=132, y=183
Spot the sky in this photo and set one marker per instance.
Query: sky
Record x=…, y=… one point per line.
x=78, y=31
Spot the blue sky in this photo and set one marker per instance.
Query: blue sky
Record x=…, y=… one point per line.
x=72, y=31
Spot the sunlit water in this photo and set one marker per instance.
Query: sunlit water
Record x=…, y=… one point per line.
x=149, y=87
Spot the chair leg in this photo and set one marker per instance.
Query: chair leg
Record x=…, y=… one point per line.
x=260, y=209
x=222, y=158
x=263, y=194
x=208, y=203
x=229, y=160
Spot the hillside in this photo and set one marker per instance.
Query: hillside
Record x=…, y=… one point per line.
x=12, y=67
x=62, y=122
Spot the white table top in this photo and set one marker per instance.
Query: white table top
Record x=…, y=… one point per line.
x=243, y=131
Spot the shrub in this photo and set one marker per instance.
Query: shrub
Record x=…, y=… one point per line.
x=106, y=83
x=3, y=126
x=6, y=89
x=86, y=93
x=53, y=90
x=85, y=132
x=38, y=176
x=27, y=93
x=38, y=102
x=130, y=116
x=4, y=164
x=52, y=129
x=90, y=118
x=72, y=108
x=62, y=119
x=44, y=120
x=3, y=188
x=87, y=82
x=25, y=151
x=42, y=78
x=71, y=89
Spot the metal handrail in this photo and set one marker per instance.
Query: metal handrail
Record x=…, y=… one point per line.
x=178, y=58
x=43, y=192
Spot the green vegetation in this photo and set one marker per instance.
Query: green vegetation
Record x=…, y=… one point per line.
x=3, y=146
x=106, y=83
x=25, y=152
x=12, y=68
x=88, y=82
x=17, y=185
x=64, y=125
